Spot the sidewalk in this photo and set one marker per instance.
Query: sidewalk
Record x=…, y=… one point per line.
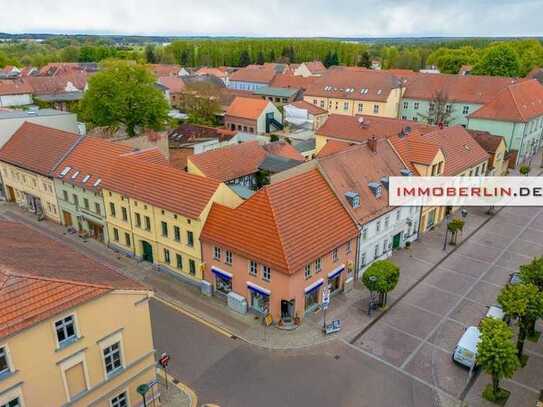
x=176, y=394
x=350, y=307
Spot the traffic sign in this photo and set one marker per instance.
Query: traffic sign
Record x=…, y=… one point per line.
x=164, y=359
x=326, y=296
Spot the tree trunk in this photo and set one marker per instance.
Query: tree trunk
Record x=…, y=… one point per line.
x=521, y=338
x=495, y=384
x=531, y=328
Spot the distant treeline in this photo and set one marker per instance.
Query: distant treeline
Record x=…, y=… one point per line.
x=448, y=55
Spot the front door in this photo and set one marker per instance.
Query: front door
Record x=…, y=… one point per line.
x=287, y=310
x=147, y=251
x=396, y=240
x=67, y=216
x=10, y=194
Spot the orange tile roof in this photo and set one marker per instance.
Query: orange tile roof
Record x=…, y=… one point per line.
x=315, y=67
x=165, y=69
x=283, y=149
x=353, y=169
x=91, y=158
x=519, y=102
x=289, y=80
x=348, y=83
x=228, y=163
x=175, y=84
x=351, y=128
x=218, y=72
x=151, y=155
x=414, y=151
x=253, y=74
x=14, y=87
x=490, y=142
x=161, y=185
x=281, y=225
x=333, y=147
x=310, y=107
x=458, y=88
x=247, y=108
x=38, y=148
x=42, y=85
x=36, y=283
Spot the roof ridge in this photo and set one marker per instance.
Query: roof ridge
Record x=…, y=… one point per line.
x=515, y=103
x=56, y=280
x=63, y=157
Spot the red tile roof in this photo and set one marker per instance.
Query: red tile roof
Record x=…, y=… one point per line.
x=414, y=151
x=253, y=74
x=38, y=148
x=219, y=72
x=351, y=83
x=165, y=69
x=161, y=185
x=519, y=102
x=228, y=163
x=353, y=169
x=43, y=85
x=281, y=225
x=14, y=87
x=458, y=88
x=36, y=283
x=333, y=147
x=315, y=67
x=247, y=108
x=360, y=128
x=175, y=84
x=283, y=149
x=310, y=107
x=289, y=80
x=489, y=142
x=151, y=155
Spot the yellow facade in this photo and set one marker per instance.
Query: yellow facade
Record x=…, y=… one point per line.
x=192, y=169
x=25, y=187
x=159, y=236
x=350, y=107
x=46, y=374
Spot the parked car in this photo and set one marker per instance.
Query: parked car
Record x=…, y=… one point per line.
x=465, y=351
x=495, y=311
x=514, y=278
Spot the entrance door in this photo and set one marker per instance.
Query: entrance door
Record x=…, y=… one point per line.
x=147, y=251
x=10, y=194
x=67, y=216
x=287, y=310
x=396, y=240
x=431, y=218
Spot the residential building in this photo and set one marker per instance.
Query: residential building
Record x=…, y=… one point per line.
x=220, y=72
x=11, y=120
x=306, y=148
x=462, y=95
x=289, y=80
x=245, y=253
x=61, y=91
x=496, y=148
x=14, y=92
x=73, y=332
x=156, y=213
x=359, y=129
x=536, y=73
x=252, y=77
x=173, y=86
x=250, y=115
x=78, y=185
x=305, y=114
x=359, y=177
x=515, y=113
x=450, y=151
x=353, y=91
x=162, y=70
x=313, y=68
x=28, y=161
x=279, y=96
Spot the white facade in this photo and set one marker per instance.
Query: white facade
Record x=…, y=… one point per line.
x=15, y=100
x=377, y=237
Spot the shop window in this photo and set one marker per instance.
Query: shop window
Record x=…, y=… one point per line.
x=260, y=302
x=311, y=299
x=223, y=284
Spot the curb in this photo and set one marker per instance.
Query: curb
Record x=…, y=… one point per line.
x=421, y=279
x=185, y=389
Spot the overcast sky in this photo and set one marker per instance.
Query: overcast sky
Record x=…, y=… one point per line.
x=361, y=18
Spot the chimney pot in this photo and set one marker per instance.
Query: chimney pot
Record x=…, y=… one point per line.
x=372, y=144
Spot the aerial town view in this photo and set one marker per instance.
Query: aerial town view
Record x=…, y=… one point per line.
x=309, y=204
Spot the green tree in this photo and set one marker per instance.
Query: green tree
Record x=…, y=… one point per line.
x=260, y=58
x=533, y=272
x=244, y=58
x=455, y=226
x=524, y=170
x=124, y=94
x=497, y=356
x=525, y=303
x=201, y=103
x=365, y=60
x=150, y=54
x=70, y=54
x=381, y=276
x=499, y=60
x=439, y=112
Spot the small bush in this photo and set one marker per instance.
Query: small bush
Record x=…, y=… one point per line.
x=524, y=169
x=499, y=398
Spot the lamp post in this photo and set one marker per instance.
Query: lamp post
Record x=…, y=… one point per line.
x=371, y=304
x=447, y=221
x=142, y=389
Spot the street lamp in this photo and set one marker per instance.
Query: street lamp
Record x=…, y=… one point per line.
x=371, y=304
x=447, y=221
x=142, y=389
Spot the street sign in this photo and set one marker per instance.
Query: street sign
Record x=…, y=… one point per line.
x=153, y=383
x=142, y=389
x=325, y=296
x=164, y=359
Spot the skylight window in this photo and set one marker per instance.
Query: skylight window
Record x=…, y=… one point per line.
x=74, y=176
x=86, y=178
x=65, y=171
x=97, y=182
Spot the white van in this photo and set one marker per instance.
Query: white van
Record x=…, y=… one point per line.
x=496, y=312
x=465, y=351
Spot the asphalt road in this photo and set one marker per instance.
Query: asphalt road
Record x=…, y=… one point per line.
x=231, y=373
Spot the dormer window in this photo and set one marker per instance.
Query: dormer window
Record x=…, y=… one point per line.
x=353, y=198
x=376, y=188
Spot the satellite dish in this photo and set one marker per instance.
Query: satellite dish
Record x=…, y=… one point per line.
x=360, y=120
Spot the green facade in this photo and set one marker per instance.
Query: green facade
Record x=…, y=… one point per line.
x=82, y=208
x=412, y=109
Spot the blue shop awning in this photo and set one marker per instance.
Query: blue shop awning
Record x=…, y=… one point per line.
x=337, y=271
x=260, y=290
x=314, y=286
x=221, y=273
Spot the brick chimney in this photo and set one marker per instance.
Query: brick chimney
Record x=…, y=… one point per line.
x=372, y=144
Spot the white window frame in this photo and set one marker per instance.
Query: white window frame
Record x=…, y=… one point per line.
x=71, y=362
x=126, y=392
x=228, y=257
x=9, y=361
x=107, y=342
x=308, y=271
x=76, y=330
x=266, y=272
x=217, y=252
x=15, y=393
x=251, y=263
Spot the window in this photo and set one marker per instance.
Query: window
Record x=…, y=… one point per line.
x=253, y=268
x=385, y=245
x=125, y=214
x=448, y=108
x=217, y=253
x=364, y=233
x=307, y=271
x=483, y=168
x=378, y=226
x=476, y=171
x=12, y=403
x=138, y=220
x=75, y=379
x=360, y=108
x=76, y=199
x=363, y=259
x=116, y=234
x=86, y=203
x=65, y=329
x=416, y=105
x=465, y=110
x=348, y=247
x=192, y=267
x=376, y=251
x=266, y=273
x=415, y=119
x=375, y=108
x=112, y=358
x=177, y=233
x=387, y=221
x=167, y=256
x=65, y=195
x=97, y=208
x=190, y=238
x=345, y=106
x=405, y=105
x=398, y=214
x=318, y=265
x=164, y=226
x=4, y=364
x=322, y=104
x=315, y=102
x=127, y=239
x=179, y=261
x=228, y=255
x=119, y=401
x=337, y=105
x=432, y=107
x=334, y=255
x=147, y=223
x=112, y=209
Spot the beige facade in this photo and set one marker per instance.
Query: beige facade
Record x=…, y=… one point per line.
x=30, y=190
x=44, y=373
